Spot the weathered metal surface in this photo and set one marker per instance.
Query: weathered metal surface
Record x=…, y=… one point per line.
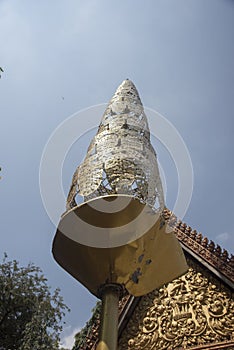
x=140, y=265
x=120, y=158
x=130, y=246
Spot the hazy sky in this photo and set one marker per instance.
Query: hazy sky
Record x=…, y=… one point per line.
x=62, y=56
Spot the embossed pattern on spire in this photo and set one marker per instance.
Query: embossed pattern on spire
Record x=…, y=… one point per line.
x=120, y=158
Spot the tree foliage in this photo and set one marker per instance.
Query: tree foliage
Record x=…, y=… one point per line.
x=81, y=337
x=30, y=315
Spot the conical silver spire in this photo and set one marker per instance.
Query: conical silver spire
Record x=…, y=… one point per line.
x=120, y=158
x=118, y=235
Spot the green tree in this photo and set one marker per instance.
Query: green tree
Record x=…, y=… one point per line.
x=30, y=315
x=87, y=331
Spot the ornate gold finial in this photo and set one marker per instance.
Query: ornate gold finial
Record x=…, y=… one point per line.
x=120, y=158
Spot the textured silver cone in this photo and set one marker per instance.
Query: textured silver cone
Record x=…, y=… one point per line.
x=120, y=158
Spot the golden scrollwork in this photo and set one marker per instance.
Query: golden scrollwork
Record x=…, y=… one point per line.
x=189, y=311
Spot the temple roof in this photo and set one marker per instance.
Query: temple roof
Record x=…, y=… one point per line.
x=206, y=251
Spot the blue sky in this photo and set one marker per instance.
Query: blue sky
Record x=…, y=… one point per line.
x=62, y=56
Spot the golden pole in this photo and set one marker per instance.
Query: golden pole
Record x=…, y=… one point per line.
x=108, y=336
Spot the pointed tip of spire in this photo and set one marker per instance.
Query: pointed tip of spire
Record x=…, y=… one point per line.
x=127, y=88
x=128, y=82
x=126, y=104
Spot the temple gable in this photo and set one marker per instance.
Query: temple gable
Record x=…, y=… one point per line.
x=192, y=310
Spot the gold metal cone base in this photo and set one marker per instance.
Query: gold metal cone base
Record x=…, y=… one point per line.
x=128, y=245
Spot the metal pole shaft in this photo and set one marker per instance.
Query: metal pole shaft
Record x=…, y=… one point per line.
x=109, y=317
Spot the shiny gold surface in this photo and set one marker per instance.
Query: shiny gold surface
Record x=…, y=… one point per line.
x=141, y=264
x=190, y=311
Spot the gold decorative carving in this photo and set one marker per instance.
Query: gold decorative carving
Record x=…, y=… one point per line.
x=189, y=311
